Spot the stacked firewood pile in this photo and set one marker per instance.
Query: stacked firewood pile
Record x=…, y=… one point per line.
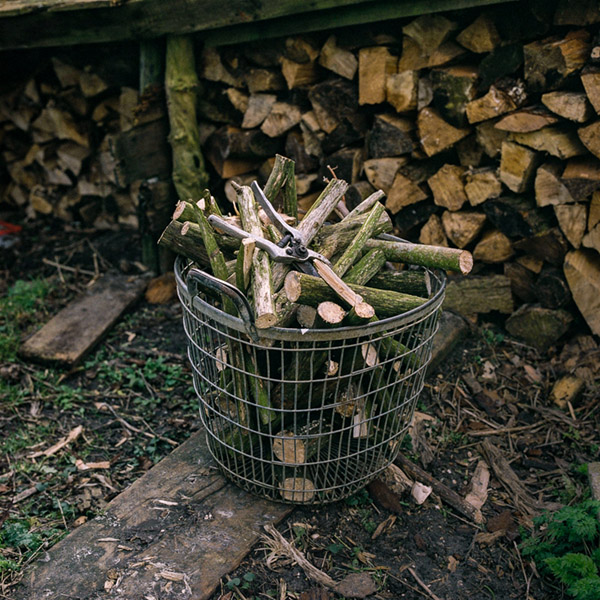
x=483, y=136
x=57, y=136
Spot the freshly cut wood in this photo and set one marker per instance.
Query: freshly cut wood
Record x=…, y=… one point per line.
x=297, y=490
x=481, y=185
x=591, y=83
x=436, y=257
x=453, y=88
x=181, y=85
x=329, y=314
x=283, y=116
x=403, y=192
x=566, y=391
x=594, y=211
x=463, y=227
x=259, y=107
x=490, y=138
x=572, y=221
x=494, y=247
x=448, y=187
x=401, y=90
x=299, y=74
x=306, y=289
x=435, y=134
x=550, y=61
x=557, y=141
x=78, y=327
x=390, y=136
x=336, y=59
x=590, y=136
x=582, y=177
x=381, y=172
x=262, y=281
x=592, y=239
x=549, y=189
x=517, y=166
x=531, y=118
x=582, y=270
x=569, y=105
x=480, y=36
x=539, y=327
x=480, y=294
x=432, y=233
x=374, y=66
x=297, y=448
x=493, y=104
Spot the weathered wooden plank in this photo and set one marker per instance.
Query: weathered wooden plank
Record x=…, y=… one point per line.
x=74, y=331
x=175, y=532
x=62, y=22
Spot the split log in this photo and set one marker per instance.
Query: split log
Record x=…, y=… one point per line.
x=516, y=217
x=594, y=211
x=591, y=83
x=261, y=283
x=374, y=66
x=435, y=134
x=582, y=270
x=264, y=80
x=592, y=239
x=549, y=189
x=494, y=247
x=305, y=289
x=283, y=116
x=589, y=135
x=429, y=32
x=448, y=187
x=401, y=90
x=480, y=36
x=435, y=257
x=489, y=138
x=572, y=222
x=581, y=177
x=517, y=166
x=243, y=266
x=550, y=61
x=181, y=84
x=531, y=118
x=358, y=192
x=233, y=142
x=470, y=153
x=482, y=185
x=259, y=107
x=522, y=281
x=539, y=327
x=336, y=59
x=432, y=233
x=332, y=101
x=453, y=88
x=549, y=246
x=345, y=163
x=493, y=104
x=463, y=227
x=475, y=295
x=403, y=192
x=390, y=136
x=551, y=288
x=569, y=105
x=381, y=171
x=557, y=141
x=299, y=74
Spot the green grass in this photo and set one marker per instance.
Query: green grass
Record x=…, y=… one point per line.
x=22, y=300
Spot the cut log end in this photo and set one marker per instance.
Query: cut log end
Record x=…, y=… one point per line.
x=465, y=262
x=364, y=310
x=266, y=320
x=297, y=489
x=331, y=313
x=292, y=286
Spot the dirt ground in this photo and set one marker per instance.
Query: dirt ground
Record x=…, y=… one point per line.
x=134, y=400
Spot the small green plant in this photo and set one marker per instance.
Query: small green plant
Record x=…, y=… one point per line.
x=565, y=545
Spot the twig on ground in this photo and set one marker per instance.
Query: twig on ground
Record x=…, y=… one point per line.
x=422, y=584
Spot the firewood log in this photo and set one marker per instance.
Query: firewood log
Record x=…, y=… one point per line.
x=549, y=189
x=481, y=294
x=332, y=100
x=283, y=116
x=550, y=246
x=432, y=233
x=403, y=192
x=589, y=136
x=591, y=82
x=572, y=222
x=550, y=61
x=299, y=74
x=381, y=171
x=582, y=270
x=592, y=239
x=557, y=141
x=551, y=289
x=481, y=185
x=522, y=281
x=374, y=66
x=463, y=227
x=569, y=105
x=594, y=211
x=390, y=136
x=517, y=166
x=453, y=89
x=435, y=134
x=493, y=247
x=531, y=118
x=264, y=80
x=448, y=187
x=401, y=90
x=336, y=59
x=258, y=109
x=212, y=68
x=493, y=104
x=537, y=326
x=480, y=36
x=489, y=138
x=429, y=32
x=581, y=177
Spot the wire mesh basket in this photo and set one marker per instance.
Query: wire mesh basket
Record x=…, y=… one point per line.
x=305, y=416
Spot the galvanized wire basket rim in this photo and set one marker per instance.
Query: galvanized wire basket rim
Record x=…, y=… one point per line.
x=296, y=334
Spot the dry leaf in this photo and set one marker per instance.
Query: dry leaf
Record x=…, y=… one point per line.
x=72, y=435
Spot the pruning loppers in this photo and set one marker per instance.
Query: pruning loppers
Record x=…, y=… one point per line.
x=291, y=249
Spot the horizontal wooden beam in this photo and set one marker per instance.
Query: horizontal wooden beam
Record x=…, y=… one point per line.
x=45, y=23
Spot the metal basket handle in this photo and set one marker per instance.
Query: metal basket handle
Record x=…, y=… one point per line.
x=197, y=279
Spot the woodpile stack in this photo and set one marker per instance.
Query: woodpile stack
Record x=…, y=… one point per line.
x=483, y=136
x=61, y=135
